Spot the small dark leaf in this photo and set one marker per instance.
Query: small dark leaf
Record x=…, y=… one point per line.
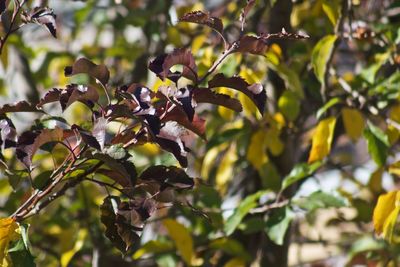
x=168, y=176
x=251, y=44
x=83, y=65
x=3, y=5
x=161, y=65
x=202, y=18
x=87, y=137
x=255, y=92
x=205, y=95
x=123, y=171
x=21, y=106
x=43, y=16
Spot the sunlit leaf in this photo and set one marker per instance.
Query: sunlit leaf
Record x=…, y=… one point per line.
x=278, y=224
x=182, y=238
x=256, y=152
x=384, y=207
x=321, y=200
x=8, y=228
x=322, y=139
x=320, y=56
x=68, y=255
x=299, y=172
x=153, y=246
x=332, y=10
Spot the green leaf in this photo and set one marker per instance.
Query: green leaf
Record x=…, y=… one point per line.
x=327, y=106
x=289, y=105
x=378, y=144
x=320, y=200
x=278, y=224
x=320, y=56
x=223, y=137
x=332, y=10
x=241, y=211
x=230, y=246
x=299, y=172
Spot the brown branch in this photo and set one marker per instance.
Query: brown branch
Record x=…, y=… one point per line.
x=17, y=8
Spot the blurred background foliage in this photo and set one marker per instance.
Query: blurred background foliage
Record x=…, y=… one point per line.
x=345, y=77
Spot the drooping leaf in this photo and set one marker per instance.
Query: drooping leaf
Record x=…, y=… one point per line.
x=386, y=215
x=85, y=66
x=8, y=228
x=332, y=102
x=278, y=224
x=241, y=211
x=161, y=65
x=182, y=238
x=200, y=17
x=205, y=95
x=320, y=55
x=354, y=123
x=43, y=16
x=255, y=92
x=299, y=172
x=378, y=143
x=322, y=139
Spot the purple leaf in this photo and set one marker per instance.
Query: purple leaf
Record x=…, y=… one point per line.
x=161, y=65
x=255, y=92
x=202, y=18
x=84, y=65
x=8, y=134
x=21, y=106
x=205, y=95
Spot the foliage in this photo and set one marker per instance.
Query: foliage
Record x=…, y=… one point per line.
x=203, y=134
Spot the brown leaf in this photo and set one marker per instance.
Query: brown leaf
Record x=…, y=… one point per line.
x=245, y=11
x=21, y=106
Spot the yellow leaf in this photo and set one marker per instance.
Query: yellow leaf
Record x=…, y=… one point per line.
x=322, y=139
x=353, y=122
x=8, y=228
x=67, y=256
x=256, y=153
x=225, y=168
x=209, y=160
x=393, y=134
x=182, y=238
x=384, y=207
x=390, y=224
x=273, y=142
x=394, y=113
x=375, y=181
x=224, y=112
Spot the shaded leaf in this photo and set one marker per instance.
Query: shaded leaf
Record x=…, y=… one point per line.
x=200, y=17
x=161, y=65
x=321, y=200
x=278, y=224
x=322, y=139
x=21, y=106
x=8, y=134
x=255, y=92
x=241, y=211
x=84, y=65
x=256, y=152
x=289, y=105
x=354, y=123
x=154, y=247
x=20, y=254
x=332, y=10
x=99, y=131
x=245, y=11
x=378, y=144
